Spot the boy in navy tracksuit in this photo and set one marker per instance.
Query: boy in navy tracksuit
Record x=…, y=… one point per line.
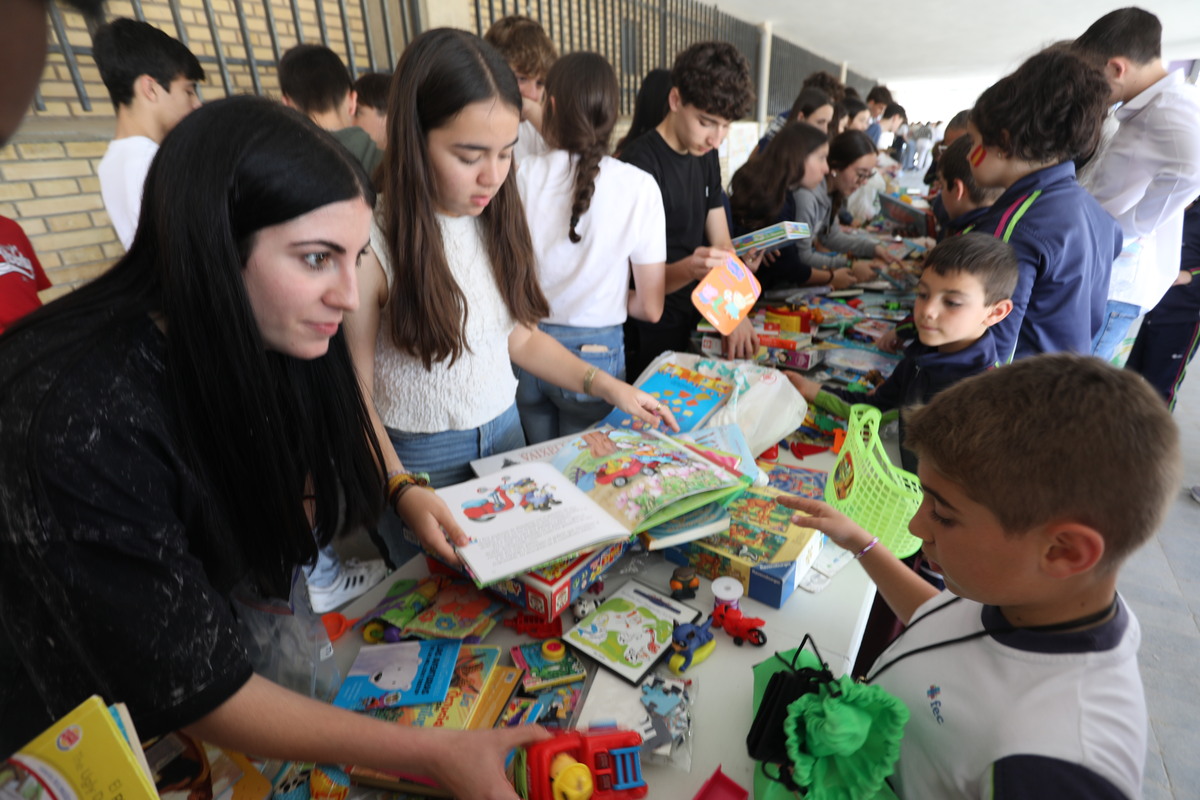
x=1026, y=129
x=965, y=289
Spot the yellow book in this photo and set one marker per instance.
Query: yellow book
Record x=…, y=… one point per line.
x=83, y=756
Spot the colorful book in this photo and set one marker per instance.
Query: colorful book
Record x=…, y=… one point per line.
x=472, y=669
x=83, y=755
x=772, y=237
x=631, y=631
x=691, y=396
x=543, y=672
x=543, y=451
x=796, y=480
x=458, y=611
x=600, y=489
x=726, y=445
x=401, y=674
x=696, y=524
x=727, y=294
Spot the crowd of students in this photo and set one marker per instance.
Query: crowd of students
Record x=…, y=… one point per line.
x=332, y=304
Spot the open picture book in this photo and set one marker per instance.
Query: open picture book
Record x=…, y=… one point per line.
x=602, y=487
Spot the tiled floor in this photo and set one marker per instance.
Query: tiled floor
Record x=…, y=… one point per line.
x=1162, y=583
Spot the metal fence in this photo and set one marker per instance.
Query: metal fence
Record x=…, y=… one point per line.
x=380, y=21
x=637, y=36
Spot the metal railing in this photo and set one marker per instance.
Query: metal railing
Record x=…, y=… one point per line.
x=386, y=15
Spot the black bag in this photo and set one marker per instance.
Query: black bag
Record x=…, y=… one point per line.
x=766, y=740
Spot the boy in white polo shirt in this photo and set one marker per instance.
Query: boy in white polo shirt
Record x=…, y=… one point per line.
x=151, y=79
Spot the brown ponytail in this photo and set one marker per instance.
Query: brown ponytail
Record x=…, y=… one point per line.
x=581, y=111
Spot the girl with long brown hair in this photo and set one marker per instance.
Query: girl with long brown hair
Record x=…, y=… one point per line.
x=592, y=218
x=451, y=300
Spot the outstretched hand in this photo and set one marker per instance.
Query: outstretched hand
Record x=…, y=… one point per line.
x=844, y=532
x=471, y=763
x=431, y=521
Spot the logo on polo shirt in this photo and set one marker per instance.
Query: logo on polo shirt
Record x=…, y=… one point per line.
x=935, y=705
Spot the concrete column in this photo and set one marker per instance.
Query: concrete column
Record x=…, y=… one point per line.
x=764, y=75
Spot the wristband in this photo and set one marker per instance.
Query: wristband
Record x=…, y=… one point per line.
x=871, y=544
x=401, y=482
x=588, y=377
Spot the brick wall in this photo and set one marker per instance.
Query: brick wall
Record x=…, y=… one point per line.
x=48, y=177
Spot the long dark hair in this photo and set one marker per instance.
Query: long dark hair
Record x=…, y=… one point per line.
x=579, y=118
x=441, y=72
x=844, y=149
x=650, y=107
x=758, y=190
x=259, y=428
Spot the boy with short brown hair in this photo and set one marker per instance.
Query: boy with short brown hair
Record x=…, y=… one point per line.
x=1021, y=677
x=530, y=53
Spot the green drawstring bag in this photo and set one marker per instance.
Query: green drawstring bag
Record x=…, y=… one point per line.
x=841, y=739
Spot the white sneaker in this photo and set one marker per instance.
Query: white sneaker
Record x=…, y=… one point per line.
x=353, y=580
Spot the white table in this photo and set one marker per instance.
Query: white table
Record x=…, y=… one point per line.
x=834, y=617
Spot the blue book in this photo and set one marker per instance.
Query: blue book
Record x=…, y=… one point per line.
x=402, y=674
x=692, y=398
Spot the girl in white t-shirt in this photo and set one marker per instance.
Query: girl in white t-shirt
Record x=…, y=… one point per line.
x=451, y=301
x=591, y=218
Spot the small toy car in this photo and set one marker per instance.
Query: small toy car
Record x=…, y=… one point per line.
x=739, y=626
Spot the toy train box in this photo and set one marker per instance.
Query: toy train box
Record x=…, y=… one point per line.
x=550, y=590
x=772, y=237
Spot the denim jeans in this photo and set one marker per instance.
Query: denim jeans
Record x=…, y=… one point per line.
x=1118, y=317
x=548, y=411
x=326, y=569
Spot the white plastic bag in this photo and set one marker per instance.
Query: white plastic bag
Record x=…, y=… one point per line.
x=764, y=404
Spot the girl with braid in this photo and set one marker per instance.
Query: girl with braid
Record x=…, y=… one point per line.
x=593, y=220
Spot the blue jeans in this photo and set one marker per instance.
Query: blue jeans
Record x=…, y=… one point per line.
x=1118, y=317
x=326, y=569
x=548, y=411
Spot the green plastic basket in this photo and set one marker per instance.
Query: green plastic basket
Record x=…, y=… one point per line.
x=866, y=487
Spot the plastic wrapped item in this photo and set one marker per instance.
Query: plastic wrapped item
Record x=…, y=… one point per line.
x=660, y=710
x=286, y=641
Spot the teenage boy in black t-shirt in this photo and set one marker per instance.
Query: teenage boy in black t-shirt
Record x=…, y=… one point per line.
x=710, y=87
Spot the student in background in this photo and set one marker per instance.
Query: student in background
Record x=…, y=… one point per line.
x=592, y=220
x=139, y=490
x=371, y=111
x=762, y=194
x=1170, y=333
x=878, y=99
x=965, y=201
x=21, y=275
x=449, y=301
x=649, y=107
x=1027, y=129
x=858, y=116
x=812, y=105
x=827, y=83
x=956, y=127
x=528, y=50
x=151, y=80
x=711, y=87
x=1149, y=171
x=852, y=160
x=965, y=289
x=893, y=118
x=315, y=82
x=1024, y=519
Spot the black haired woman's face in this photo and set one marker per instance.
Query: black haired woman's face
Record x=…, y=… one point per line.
x=302, y=276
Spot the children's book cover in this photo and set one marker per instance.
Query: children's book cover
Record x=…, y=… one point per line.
x=82, y=755
x=546, y=668
x=472, y=669
x=401, y=674
x=543, y=451
x=761, y=531
x=459, y=610
x=630, y=631
x=796, y=480
x=726, y=294
x=643, y=478
x=691, y=396
x=772, y=237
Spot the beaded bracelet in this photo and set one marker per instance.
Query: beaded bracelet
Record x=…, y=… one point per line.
x=874, y=541
x=401, y=482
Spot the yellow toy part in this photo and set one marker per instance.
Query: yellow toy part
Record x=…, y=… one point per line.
x=570, y=780
x=702, y=652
